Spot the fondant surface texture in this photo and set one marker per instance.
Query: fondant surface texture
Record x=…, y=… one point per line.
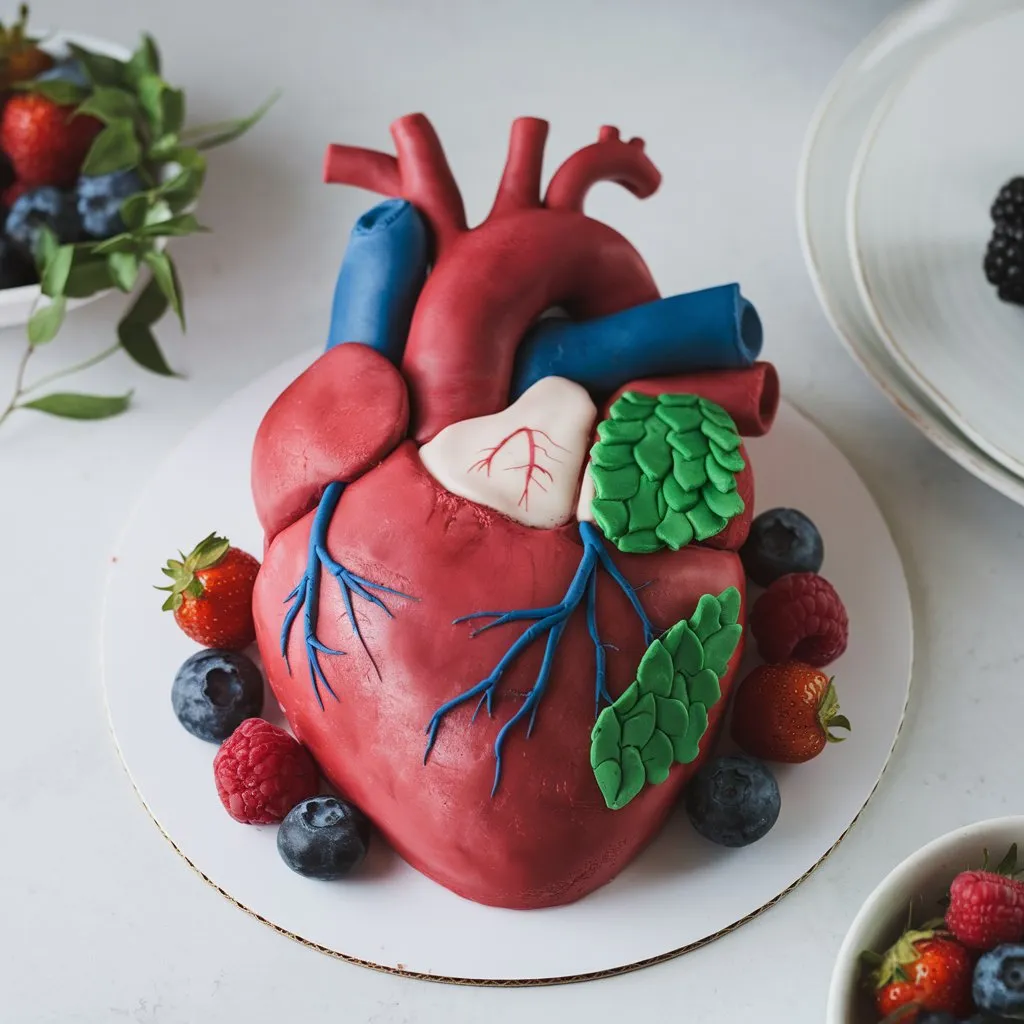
x=439, y=629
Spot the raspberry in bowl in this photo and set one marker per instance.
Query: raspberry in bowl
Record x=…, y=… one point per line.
x=972, y=934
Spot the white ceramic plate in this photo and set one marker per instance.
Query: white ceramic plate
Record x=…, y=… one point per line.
x=922, y=880
x=18, y=304
x=681, y=893
x=919, y=224
x=871, y=76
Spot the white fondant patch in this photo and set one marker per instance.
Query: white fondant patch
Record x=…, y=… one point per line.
x=584, y=511
x=524, y=461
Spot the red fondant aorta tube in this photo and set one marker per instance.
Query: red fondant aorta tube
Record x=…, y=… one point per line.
x=490, y=287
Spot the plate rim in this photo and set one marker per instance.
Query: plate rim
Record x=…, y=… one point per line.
x=854, y=233
x=912, y=406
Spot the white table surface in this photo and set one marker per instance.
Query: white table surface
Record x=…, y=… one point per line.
x=99, y=919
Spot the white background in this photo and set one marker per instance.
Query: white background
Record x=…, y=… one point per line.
x=99, y=919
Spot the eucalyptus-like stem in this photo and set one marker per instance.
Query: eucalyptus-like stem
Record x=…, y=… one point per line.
x=19, y=384
x=85, y=364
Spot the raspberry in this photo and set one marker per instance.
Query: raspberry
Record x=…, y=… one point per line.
x=262, y=773
x=800, y=617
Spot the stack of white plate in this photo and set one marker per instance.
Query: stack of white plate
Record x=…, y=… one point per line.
x=918, y=132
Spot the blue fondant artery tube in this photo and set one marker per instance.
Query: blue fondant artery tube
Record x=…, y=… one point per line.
x=713, y=329
x=381, y=276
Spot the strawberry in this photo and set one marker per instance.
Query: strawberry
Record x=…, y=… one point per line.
x=45, y=143
x=20, y=55
x=986, y=908
x=786, y=713
x=211, y=594
x=925, y=969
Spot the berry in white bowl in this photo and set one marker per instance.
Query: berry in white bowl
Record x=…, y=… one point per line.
x=984, y=916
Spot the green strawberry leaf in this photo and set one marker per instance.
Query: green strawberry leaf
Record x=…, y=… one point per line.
x=46, y=321
x=145, y=60
x=228, y=131
x=74, y=406
x=55, y=273
x=89, y=275
x=124, y=269
x=664, y=472
x=662, y=716
x=108, y=104
x=116, y=148
x=166, y=277
x=135, y=330
x=64, y=94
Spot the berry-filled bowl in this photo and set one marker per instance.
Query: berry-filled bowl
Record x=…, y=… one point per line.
x=18, y=301
x=941, y=938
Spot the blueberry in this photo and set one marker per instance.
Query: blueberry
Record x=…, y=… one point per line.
x=215, y=691
x=16, y=268
x=43, y=206
x=935, y=1017
x=323, y=838
x=100, y=197
x=733, y=801
x=781, y=541
x=68, y=70
x=999, y=982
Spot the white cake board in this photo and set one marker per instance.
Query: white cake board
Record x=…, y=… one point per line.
x=680, y=894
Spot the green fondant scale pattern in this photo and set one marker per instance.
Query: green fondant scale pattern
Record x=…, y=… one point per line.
x=664, y=472
x=662, y=716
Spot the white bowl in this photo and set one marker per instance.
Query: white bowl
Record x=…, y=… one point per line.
x=923, y=878
x=18, y=304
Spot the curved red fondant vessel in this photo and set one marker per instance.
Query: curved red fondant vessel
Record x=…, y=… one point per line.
x=545, y=837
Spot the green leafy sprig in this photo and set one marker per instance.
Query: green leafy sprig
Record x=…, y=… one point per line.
x=143, y=129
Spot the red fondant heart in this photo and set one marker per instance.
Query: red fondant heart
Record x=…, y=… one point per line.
x=546, y=837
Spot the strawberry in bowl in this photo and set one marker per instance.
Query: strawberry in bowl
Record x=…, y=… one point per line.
x=501, y=601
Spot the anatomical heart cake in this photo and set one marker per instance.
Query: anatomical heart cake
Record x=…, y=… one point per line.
x=501, y=602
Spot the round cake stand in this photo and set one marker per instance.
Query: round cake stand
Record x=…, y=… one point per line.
x=682, y=893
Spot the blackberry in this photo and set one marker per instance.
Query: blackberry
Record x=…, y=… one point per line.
x=1004, y=262
x=1009, y=205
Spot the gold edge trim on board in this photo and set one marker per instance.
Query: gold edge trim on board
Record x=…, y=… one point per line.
x=610, y=972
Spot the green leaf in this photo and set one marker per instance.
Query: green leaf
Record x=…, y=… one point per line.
x=686, y=749
x=654, y=674
x=172, y=111
x=605, y=737
x=718, y=649
x=173, y=227
x=141, y=345
x=100, y=69
x=56, y=270
x=134, y=210
x=46, y=321
x=729, y=605
x=124, y=242
x=166, y=277
x=657, y=756
x=235, y=129
x=671, y=716
x=64, y=94
x=707, y=617
x=73, y=406
x=149, y=89
x=703, y=688
x=633, y=777
x=116, y=148
x=46, y=246
x=89, y=275
x=657, y=481
x=135, y=334
x=109, y=103
x=124, y=269
x=638, y=724
x=163, y=148
x=145, y=60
